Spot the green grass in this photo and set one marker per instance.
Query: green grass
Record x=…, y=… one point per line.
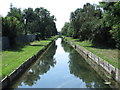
x=108, y=54
x=13, y=58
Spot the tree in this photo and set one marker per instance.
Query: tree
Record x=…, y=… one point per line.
x=17, y=13
x=46, y=23
x=97, y=23
x=65, y=28
x=74, y=20
x=70, y=31
x=29, y=21
x=10, y=28
x=116, y=34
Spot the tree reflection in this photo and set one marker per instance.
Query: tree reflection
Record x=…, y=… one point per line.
x=81, y=69
x=66, y=47
x=42, y=66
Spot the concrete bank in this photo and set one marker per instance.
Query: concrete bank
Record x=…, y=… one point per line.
x=8, y=80
x=108, y=68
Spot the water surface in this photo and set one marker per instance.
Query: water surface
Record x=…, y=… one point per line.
x=60, y=67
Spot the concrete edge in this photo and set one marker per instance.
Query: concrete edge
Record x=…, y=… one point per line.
x=8, y=80
x=113, y=71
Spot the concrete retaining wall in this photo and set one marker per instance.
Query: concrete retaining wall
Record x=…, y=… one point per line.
x=114, y=72
x=8, y=80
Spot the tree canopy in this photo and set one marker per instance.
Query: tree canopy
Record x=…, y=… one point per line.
x=28, y=21
x=99, y=24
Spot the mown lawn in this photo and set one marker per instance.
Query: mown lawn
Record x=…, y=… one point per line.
x=13, y=58
x=108, y=54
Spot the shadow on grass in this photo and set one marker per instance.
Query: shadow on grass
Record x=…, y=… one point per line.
x=77, y=40
x=37, y=45
x=15, y=48
x=18, y=48
x=101, y=47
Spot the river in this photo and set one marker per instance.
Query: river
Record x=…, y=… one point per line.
x=60, y=67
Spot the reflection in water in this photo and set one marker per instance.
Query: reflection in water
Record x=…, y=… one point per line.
x=82, y=70
x=60, y=67
x=41, y=67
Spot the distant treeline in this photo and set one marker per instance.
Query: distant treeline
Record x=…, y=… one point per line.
x=99, y=24
x=28, y=21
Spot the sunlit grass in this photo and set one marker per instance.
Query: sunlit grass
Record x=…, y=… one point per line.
x=108, y=54
x=13, y=58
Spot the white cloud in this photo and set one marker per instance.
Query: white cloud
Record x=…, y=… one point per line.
x=60, y=8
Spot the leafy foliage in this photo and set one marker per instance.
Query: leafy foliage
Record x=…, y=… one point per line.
x=29, y=21
x=97, y=23
x=10, y=28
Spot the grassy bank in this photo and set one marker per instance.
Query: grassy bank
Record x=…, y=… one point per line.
x=108, y=54
x=13, y=58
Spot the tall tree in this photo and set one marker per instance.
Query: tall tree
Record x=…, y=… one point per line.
x=65, y=28
x=97, y=23
x=10, y=28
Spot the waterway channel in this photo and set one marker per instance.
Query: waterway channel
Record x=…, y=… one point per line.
x=60, y=67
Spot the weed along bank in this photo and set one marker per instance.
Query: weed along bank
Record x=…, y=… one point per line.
x=106, y=68
x=58, y=67
x=18, y=72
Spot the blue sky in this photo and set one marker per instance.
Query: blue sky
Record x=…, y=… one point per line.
x=60, y=8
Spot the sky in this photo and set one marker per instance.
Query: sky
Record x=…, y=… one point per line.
x=60, y=8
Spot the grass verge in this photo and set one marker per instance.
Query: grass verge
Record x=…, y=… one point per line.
x=108, y=54
x=13, y=58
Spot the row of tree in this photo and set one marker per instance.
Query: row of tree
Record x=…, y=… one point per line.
x=28, y=21
x=99, y=24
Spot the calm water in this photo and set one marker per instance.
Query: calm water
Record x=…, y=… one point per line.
x=60, y=67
